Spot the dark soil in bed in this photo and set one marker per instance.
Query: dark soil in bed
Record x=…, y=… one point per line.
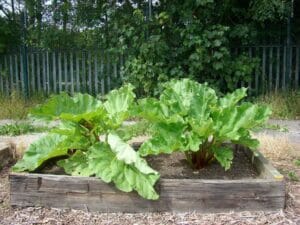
x=175, y=166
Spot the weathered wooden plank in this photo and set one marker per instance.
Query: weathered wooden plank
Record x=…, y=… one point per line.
x=297, y=69
x=179, y=195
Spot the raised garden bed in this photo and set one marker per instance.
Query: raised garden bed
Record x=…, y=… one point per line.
x=266, y=192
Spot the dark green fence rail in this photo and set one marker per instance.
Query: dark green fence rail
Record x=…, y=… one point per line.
x=98, y=71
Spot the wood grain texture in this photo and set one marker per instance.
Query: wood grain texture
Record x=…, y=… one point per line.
x=176, y=195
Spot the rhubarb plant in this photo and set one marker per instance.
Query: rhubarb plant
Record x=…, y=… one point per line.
x=191, y=118
x=91, y=141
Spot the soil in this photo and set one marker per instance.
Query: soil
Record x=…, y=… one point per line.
x=175, y=166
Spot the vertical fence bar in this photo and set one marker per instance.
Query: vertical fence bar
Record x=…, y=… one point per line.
x=22, y=72
x=284, y=69
x=17, y=73
x=1, y=77
x=59, y=73
x=277, y=69
x=11, y=73
x=290, y=69
x=115, y=74
x=270, y=69
x=256, y=73
x=83, y=74
x=48, y=73
x=77, y=73
x=96, y=73
x=72, y=73
x=54, y=72
x=121, y=66
x=90, y=72
x=108, y=72
x=66, y=72
x=263, y=77
x=38, y=65
x=32, y=75
x=6, y=76
x=250, y=80
x=44, y=73
x=297, y=69
x=102, y=73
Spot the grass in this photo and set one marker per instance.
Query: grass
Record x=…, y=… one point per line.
x=20, y=128
x=16, y=107
x=283, y=105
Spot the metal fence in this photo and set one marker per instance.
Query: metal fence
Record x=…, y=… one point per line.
x=52, y=72
x=98, y=71
x=278, y=68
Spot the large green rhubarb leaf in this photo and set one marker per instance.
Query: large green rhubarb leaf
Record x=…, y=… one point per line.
x=49, y=146
x=118, y=103
x=81, y=106
x=167, y=138
x=76, y=165
x=127, y=172
x=224, y=155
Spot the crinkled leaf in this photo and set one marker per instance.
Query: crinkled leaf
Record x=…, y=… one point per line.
x=124, y=152
x=231, y=99
x=118, y=103
x=224, y=155
x=155, y=111
x=81, y=106
x=49, y=146
x=232, y=120
x=76, y=165
x=168, y=138
x=127, y=177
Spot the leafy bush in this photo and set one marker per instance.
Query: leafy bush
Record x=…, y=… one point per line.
x=89, y=142
x=189, y=117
